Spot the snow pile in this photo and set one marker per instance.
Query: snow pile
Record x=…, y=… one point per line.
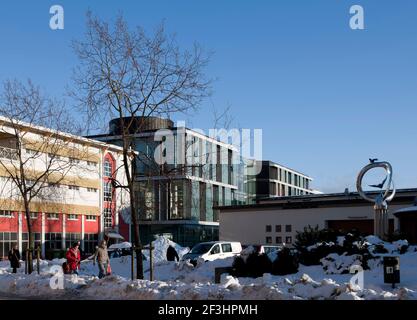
x=183, y=281
x=161, y=245
x=122, y=245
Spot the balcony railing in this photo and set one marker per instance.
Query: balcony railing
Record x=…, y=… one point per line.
x=8, y=153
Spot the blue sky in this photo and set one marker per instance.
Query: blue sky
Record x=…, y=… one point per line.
x=326, y=97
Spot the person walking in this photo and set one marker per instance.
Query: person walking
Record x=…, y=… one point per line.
x=14, y=258
x=74, y=258
x=172, y=254
x=102, y=258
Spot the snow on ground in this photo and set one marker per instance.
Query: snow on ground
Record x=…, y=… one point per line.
x=184, y=281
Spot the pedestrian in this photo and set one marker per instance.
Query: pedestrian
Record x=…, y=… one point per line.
x=14, y=258
x=172, y=254
x=74, y=258
x=102, y=258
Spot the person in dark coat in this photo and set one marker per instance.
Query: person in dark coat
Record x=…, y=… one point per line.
x=172, y=254
x=14, y=258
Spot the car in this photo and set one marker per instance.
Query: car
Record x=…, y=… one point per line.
x=209, y=251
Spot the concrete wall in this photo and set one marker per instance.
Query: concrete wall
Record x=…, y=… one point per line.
x=249, y=225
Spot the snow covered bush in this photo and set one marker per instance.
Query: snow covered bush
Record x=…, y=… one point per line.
x=310, y=236
x=341, y=264
x=253, y=266
x=285, y=263
x=314, y=244
x=330, y=242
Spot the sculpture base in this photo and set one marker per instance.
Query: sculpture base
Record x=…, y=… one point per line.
x=381, y=226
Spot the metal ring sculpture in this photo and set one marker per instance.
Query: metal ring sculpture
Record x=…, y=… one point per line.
x=385, y=196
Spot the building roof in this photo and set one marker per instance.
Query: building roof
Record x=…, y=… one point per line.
x=288, y=168
x=320, y=200
x=39, y=129
x=147, y=133
x=406, y=211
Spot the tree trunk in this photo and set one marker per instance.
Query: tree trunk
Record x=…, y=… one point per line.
x=136, y=235
x=30, y=238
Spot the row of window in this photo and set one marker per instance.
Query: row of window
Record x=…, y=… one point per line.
x=278, y=228
x=278, y=240
x=281, y=190
x=53, y=241
x=6, y=214
x=72, y=187
x=288, y=177
x=57, y=185
x=49, y=216
x=58, y=157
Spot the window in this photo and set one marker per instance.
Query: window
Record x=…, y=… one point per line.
x=288, y=228
x=74, y=187
x=54, y=185
x=7, y=241
x=90, y=217
x=278, y=240
x=288, y=240
x=108, y=219
x=268, y=228
x=90, y=242
x=107, y=191
x=226, y=247
x=53, y=241
x=73, y=160
x=34, y=215
x=91, y=164
x=25, y=241
x=30, y=183
x=72, y=217
x=268, y=240
x=52, y=216
x=107, y=169
x=6, y=214
x=31, y=152
x=278, y=228
x=70, y=238
x=91, y=190
x=215, y=250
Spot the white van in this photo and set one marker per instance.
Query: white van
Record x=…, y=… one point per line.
x=214, y=250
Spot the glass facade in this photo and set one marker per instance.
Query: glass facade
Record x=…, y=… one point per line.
x=201, y=175
x=274, y=181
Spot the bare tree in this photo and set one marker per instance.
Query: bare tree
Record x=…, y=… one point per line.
x=31, y=140
x=131, y=75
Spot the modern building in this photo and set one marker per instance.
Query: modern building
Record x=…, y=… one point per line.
x=277, y=220
x=275, y=180
x=77, y=201
x=181, y=175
